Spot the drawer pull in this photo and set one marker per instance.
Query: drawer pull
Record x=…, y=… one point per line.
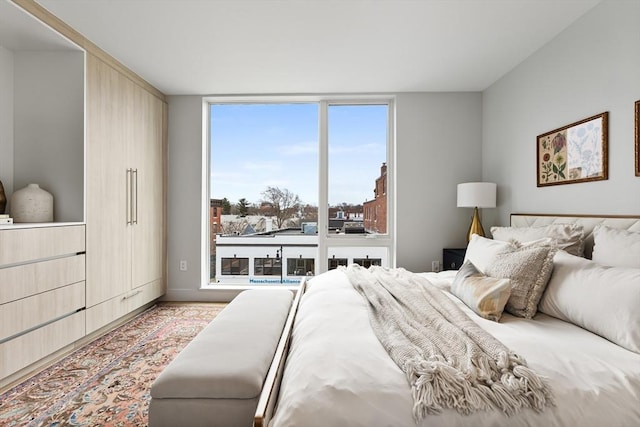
x=131, y=295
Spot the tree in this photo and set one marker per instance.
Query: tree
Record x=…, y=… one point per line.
x=285, y=203
x=234, y=227
x=309, y=213
x=226, y=206
x=243, y=207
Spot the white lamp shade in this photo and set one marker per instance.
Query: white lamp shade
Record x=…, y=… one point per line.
x=477, y=195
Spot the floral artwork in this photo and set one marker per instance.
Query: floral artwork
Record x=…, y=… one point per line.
x=554, y=157
x=574, y=153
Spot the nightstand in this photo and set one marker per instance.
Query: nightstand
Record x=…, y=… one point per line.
x=452, y=258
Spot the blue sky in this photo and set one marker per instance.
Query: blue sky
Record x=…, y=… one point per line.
x=258, y=145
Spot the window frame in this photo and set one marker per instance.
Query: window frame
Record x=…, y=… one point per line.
x=370, y=240
x=325, y=239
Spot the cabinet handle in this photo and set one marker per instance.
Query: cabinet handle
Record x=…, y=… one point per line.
x=135, y=198
x=131, y=295
x=128, y=191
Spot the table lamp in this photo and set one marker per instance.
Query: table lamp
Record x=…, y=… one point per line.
x=476, y=195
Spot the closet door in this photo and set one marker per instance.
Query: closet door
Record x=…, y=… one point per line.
x=147, y=157
x=108, y=210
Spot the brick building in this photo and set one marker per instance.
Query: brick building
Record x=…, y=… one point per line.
x=375, y=211
x=215, y=221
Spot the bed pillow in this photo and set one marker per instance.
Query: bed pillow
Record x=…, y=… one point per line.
x=615, y=247
x=528, y=267
x=568, y=237
x=603, y=300
x=486, y=296
x=481, y=251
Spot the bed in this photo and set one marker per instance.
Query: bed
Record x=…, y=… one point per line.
x=582, y=337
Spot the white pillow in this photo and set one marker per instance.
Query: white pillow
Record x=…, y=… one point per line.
x=568, y=237
x=616, y=247
x=482, y=251
x=603, y=300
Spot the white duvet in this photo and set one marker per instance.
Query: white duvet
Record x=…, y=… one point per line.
x=338, y=374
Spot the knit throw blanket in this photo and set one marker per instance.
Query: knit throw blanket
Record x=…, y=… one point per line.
x=449, y=361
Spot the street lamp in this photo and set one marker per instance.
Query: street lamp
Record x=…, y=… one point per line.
x=280, y=256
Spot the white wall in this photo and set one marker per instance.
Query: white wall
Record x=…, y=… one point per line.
x=184, y=236
x=438, y=145
x=591, y=67
x=49, y=127
x=6, y=120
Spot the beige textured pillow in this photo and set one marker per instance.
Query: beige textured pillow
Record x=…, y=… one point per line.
x=486, y=296
x=529, y=268
x=615, y=247
x=568, y=237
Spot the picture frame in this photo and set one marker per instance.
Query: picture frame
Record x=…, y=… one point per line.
x=574, y=153
x=637, y=122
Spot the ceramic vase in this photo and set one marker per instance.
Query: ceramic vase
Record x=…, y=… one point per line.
x=32, y=204
x=3, y=199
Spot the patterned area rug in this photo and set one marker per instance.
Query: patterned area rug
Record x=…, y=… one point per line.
x=107, y=382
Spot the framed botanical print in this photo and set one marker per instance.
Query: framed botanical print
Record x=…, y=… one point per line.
x=574, y=153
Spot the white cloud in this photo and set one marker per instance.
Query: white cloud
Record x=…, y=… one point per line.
x=253, y=165
x=305, y=147
x=356, y=148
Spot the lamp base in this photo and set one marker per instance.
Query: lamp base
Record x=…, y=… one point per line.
x=476, y=226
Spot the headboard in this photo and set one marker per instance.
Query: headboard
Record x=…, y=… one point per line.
x=588, y=222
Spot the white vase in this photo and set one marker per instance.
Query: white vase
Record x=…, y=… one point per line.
x=32, y=204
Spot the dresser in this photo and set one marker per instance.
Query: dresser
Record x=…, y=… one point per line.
x=42, y=278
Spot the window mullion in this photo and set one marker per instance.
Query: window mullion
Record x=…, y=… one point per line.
x=323, y=190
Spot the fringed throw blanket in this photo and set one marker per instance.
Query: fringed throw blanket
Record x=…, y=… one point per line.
x=449, y=361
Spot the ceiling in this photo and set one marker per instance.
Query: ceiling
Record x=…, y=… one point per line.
x=208, y=47
x=21, y=31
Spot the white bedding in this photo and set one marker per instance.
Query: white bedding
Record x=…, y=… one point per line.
x=338, y=374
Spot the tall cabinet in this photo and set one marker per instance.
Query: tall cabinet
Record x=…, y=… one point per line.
x=125, y=194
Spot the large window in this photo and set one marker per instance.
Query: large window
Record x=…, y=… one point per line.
x=273, y=164
x=357, y=140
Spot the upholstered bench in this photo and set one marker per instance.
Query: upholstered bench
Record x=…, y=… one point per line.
x=217, y=378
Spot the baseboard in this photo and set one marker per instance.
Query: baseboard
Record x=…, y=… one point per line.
x=201, y=295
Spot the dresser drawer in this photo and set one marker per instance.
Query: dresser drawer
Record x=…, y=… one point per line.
x=31, y=312
x=104, y=313
x=29, y=279
x=26, y=349
x=31, y=244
